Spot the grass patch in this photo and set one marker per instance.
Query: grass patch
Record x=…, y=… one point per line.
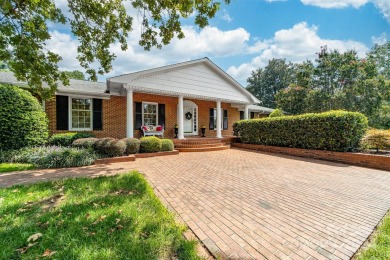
x=379, y=247
x=115, y=217
x=11, y=167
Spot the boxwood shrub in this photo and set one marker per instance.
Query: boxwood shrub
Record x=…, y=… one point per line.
x=22, y=120
x=110, y=147
x=333, y=130
x=87, y=143
x=132, y=145
x=66, y=139
x=150, y=144
x=167, y=145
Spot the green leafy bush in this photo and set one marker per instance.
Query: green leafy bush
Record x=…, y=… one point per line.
x=55, y=157
x=87, y=143
x=167, y=145
x=22, y=120
x=110, y=147
x=376, y=139
x=333, y=130
x=276, y=113
x=132, y=145
x=66, y=139
x=150, y=144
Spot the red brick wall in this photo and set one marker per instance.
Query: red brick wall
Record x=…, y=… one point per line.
x=360, y=159
x=114, y=115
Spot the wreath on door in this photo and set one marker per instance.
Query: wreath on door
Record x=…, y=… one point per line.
x=188, y=116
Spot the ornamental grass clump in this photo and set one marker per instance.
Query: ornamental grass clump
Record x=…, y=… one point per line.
x=150, y=144
x=167, y=145
x=55, y=157
x=332, y=131
x=132, y=145
x=376, y=139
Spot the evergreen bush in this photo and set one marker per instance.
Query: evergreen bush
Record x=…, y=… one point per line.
x=150, y=144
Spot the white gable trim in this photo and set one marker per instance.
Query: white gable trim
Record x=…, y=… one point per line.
x=127, y=79
x=177, y=94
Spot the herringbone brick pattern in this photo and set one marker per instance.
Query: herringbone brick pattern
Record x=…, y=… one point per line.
x=251, y=205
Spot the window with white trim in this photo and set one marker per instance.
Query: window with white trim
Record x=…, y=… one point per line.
x=149, y=114
x=80, y=113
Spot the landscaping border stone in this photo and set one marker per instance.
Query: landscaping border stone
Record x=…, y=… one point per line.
x=360, y=159
x=132, y=157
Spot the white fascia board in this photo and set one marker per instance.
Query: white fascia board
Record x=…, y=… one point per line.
x=84, y=94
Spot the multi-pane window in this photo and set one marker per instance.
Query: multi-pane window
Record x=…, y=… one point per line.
x=149, y=114
x=81, y=113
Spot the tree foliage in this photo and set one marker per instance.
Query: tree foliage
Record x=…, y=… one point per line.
x=75, y=74
x=265, y=83
x=95, y=24
x=335, y=81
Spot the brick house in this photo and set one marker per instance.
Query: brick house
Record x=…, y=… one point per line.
x=190, y=95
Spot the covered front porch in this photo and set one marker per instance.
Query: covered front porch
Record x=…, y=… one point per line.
x=188, y=95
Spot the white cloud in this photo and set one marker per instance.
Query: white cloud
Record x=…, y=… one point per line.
x=299, y=43
x=225, y=16
x=335, y=3
x=382, y=5
x=381, y=39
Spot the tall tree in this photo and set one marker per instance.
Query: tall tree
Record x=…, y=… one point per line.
x=96, y=24
x=75, y=74
x=380, y=55
x=265, y=83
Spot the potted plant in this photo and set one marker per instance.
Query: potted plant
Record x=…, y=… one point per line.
x=203, y=130
x=176, y=128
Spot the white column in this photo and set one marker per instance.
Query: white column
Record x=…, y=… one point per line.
x=180, y=117
x=219, y=121
x=129, y=113
x=246, y=112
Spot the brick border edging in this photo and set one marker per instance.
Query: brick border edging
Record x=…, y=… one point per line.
x=131, y=158
x=359, y=159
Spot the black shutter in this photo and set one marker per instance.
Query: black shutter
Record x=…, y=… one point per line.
x=225, y=120
x=241, y=115
x=97, y=106
x=252, y=115
x=62, y=114
x=161, y=115
x=211, y=122
x=138, y=116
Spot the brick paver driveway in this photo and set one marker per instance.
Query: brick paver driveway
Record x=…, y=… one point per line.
x=245, y=204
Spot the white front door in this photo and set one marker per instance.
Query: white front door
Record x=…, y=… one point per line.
x=190, y=121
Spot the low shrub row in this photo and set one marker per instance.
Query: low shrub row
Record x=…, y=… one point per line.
x=333, y=131
x=67, y=139
x=377, y=139
x=53, y=156
x=111, y=147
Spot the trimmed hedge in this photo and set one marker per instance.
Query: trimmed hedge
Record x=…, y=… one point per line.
x=85, y=142
x=132, y=145
x=150, y=144
x=66, y=139
x=334, y=131
x=276, y=113
x=167, y=145
x=22, y=120
x=110, y=147
x=376, y=139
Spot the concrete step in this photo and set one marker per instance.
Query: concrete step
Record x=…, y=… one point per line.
x=193, y=145
x=204, y=149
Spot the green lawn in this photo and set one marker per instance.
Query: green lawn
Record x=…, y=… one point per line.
x=103, y=218
x=11, y=167
x=379, y=248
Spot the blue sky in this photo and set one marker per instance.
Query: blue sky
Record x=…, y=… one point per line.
x=247, y=33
